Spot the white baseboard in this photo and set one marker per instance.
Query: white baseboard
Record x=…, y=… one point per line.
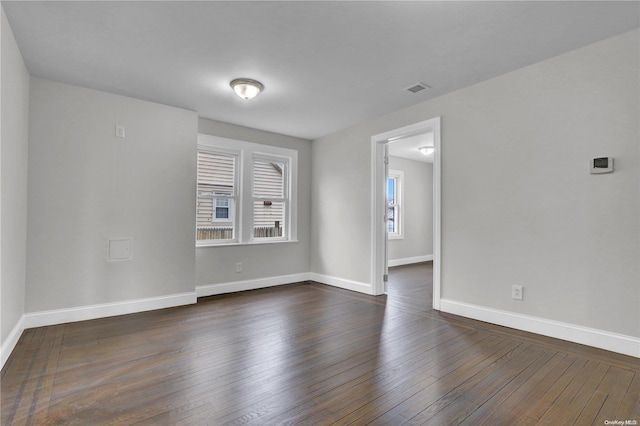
x=82, y=313
x=10, y=342
x=233, y=286
x=343, y=283
x=614, y=342
x=410, y=260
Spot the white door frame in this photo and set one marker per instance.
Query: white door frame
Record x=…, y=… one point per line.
x=378, y=195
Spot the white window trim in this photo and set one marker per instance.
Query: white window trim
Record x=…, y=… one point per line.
x=244, y=195
x=399, y=176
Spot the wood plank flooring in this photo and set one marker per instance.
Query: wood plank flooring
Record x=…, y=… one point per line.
x=411, y=287
x=310, y=354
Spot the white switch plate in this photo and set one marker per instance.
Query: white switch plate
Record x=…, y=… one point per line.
x=119, y=131
x=120, y=249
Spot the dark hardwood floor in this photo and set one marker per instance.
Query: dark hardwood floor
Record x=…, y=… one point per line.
x=411, y=287
x=310, y=354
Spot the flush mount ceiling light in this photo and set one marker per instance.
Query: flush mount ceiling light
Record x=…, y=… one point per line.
x=246, y=88
x=426, y=150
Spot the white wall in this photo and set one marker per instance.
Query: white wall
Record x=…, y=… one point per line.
x=14, y=126
x=86, y=186
x=216, y=265
x=518, y=203
x=340, y=201
x=417, y=204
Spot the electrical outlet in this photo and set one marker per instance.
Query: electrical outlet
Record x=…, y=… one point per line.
x=238, y=267
x=516, y=292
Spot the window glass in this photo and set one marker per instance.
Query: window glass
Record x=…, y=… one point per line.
x=269, y=197
x=223, y=209
x=216, y=194
x=392, y=222
x=268, y=178
x=394, y=208
x=246, y=192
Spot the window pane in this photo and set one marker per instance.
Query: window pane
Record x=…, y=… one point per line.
x=268, y=219
x=268, y=178
x=222, y=212
x=269, y=193
x=204, y=211
x=391, y=190
x=216, y=181
x=394, y=185
x=391, y=223
x=216, y=173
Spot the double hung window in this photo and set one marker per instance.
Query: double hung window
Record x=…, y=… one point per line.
x=246, y=192
x=223, y=210
x=394, y=207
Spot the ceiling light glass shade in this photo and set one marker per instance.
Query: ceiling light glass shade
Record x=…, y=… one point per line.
x=246, y=88
x=426, y=150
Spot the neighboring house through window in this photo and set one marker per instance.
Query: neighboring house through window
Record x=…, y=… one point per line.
x=217, y=193
x=269, y=196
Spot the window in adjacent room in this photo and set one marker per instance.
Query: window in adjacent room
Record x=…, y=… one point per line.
x=394, y=199
x=246, y=192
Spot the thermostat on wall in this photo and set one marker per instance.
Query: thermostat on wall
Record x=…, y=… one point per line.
x=602, y=165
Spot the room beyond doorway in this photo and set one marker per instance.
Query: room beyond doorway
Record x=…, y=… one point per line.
x=379, y=203
x=411, y=286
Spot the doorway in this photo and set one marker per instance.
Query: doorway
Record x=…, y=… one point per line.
x=380, y=208
x=410, y=222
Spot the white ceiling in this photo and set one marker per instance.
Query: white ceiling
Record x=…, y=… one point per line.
x=325, y=65
x=407, y=147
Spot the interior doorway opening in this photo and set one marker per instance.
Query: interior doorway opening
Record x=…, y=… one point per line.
x=388, y=218
x=410, y=221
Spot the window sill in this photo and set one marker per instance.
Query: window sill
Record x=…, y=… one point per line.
x=396, y=237
x=248, y=243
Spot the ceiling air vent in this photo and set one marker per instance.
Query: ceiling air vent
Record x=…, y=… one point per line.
x=418, y=87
